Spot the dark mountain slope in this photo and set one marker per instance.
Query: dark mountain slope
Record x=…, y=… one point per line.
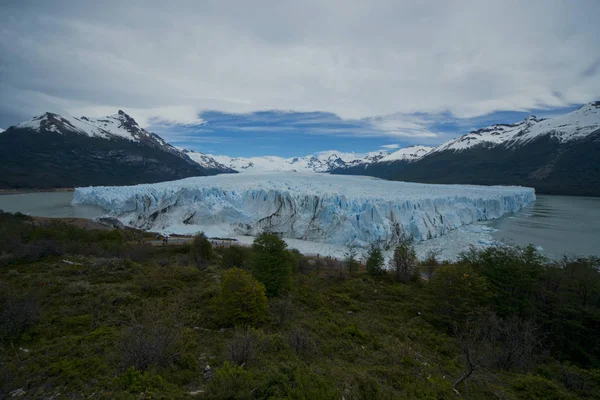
x=52, y=151
x=559, y=156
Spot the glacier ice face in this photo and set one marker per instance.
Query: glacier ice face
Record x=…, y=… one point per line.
x=332, y=209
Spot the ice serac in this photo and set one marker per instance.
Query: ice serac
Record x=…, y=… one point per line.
x=321, y=208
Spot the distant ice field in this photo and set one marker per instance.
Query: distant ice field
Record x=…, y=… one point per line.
x=333, y=210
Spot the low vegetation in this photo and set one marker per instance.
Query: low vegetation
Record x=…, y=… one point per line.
x=99, y=314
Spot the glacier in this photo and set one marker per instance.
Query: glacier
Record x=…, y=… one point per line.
x=333, y=209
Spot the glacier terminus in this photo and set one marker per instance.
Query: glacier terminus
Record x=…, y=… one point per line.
x=333, y=209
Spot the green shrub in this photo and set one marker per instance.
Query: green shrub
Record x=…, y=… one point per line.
x=535, y=387
x=235, y=256
x=455, y=293
x=350, y=261
x=375, y=260
x=242, y=299
x=271, y=264
x=243, y=347
x=152, y=341
x=404, y=262
x=283, y=310
x=201, y=253
x=17, y=313
x=230, y=382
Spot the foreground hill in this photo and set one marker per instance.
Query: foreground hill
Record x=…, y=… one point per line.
x=555, y=156
x=95, y=314
x=55, y=151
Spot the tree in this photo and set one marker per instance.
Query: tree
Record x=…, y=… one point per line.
x=375, y=260
x=404, y=262
x=200, y=251
x=242, y=299
x=271, y=264
x=489, y=343
x=350, y=261
x=456, y=293
x=235, y=256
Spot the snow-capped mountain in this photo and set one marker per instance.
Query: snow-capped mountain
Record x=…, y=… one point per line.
x=1, y=130
x=490, y=136
x=411, y=153
x=572, y=126
x=557, y=156
x=117, y=126
x=205, y=160
x=57, y=151
x=325, y=161
x=322, y=162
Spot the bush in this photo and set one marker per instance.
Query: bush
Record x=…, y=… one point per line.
x=242, y=299
x=350, y=262
x=152, y=342
x=17, y=314
x=201, y=253
x=404, y=262
x=301, y=341
x=456, y=293
x=536, y=387
x=230, y=382
x=283, y=310
x=271, y=264
x=243, y=347
x=235, y=256
x=375, y=260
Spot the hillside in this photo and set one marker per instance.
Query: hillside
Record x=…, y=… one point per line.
x=100, y=314
x=55, y=151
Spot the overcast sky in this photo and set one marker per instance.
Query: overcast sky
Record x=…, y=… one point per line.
x=339, y=73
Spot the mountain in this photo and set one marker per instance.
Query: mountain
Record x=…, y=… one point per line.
x=55, y=151
x=323, y=162
x=555, y=156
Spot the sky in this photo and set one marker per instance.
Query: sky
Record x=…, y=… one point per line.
x=292, y=78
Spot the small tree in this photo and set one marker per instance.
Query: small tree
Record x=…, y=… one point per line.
x=350, y=262
x=431, y=262
x=242, y=299
x=200, y=251
x=456, y=293
x=271, y=264
x=235, y=256
x=375, y=260
x=404, y=262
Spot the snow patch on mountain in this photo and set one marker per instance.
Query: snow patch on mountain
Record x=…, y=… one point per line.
x=118, y=125
x=324, y=161
x=411, y=153
x=322, y=208
x=572, y=126
x=204, y=160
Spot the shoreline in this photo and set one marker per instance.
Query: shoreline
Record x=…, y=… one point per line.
x=29, y=191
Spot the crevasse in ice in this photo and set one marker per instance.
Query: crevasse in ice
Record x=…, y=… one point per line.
x=316, y=207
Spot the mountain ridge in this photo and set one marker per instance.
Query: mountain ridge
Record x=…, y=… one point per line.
x=555, y=156
x=51, y=151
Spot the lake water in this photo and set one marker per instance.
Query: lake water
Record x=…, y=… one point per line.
x=557, y=224
x=48, y=204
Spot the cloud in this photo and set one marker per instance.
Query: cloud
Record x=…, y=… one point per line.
x=359, y=60
x=390, y=146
